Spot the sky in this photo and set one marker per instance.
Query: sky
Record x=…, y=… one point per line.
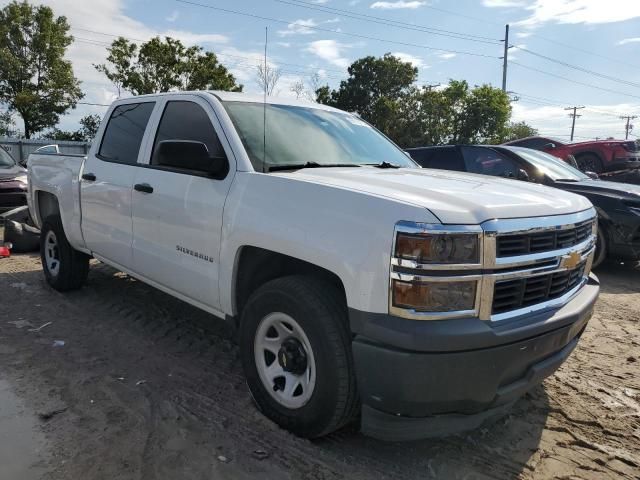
x=563, y=53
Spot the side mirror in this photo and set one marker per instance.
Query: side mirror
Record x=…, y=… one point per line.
x=190, y=155
x=23, y=163
x=592, y=175
x=549, y=145
x=523, y=175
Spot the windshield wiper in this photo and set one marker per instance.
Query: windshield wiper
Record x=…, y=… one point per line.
x=296, y=166
x=383, y=165
x=566, y=180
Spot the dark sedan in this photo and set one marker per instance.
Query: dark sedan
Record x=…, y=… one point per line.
x=618, y=204
x=13, y=183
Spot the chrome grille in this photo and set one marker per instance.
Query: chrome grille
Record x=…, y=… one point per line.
x=523, y=292
x=527, y=243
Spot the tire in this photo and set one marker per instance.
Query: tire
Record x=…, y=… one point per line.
x=602, y=249
x=22, y=237
x=590, y=163
x=64, y=267
x=327, y=395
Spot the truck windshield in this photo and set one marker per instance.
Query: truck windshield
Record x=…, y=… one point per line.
x=553, y=167
x=307, y=136
x=6, y=160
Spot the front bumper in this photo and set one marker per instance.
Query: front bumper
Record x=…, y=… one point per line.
x=434, y=378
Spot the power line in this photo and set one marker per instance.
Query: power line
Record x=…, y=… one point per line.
x=574, y=81
x=578, y=49
x=580, y=69
x=337, y=32
x=393, y=23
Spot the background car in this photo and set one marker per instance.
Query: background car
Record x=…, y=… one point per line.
x=618, y=204
x=13, y=183
x=595, y=156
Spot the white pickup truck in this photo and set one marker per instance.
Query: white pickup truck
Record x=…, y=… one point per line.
x=422, y=301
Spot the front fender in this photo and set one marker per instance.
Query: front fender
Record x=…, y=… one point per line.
x=346, y=232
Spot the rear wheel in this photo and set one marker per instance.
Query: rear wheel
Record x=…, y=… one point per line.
x=64, y=267
x=296, y=353
x=589, y=162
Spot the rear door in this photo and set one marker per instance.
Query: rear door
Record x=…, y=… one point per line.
x=177, y=221
x=107, y=180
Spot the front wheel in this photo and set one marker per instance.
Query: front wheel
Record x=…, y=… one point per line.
x=64, y=267
x=601, y=247
x=296, y=353
x=590, y=163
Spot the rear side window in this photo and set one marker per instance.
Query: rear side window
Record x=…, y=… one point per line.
x=184, y=120
x=124, y=132
x=489, y=162
x=446, y=158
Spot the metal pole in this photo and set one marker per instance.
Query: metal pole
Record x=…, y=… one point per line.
x=504, y=59
x=573, y=116
x=628, y=127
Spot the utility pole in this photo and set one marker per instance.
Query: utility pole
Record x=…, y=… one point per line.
x=573, y=116
x=504, y=59
x=628, y=127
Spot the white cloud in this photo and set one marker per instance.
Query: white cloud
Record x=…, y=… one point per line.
x=629, y=40
x=173, y=17
x=446, y=55
x=397, y=5
x=320, y=2
x=503, y=3
x=415, y=61
x=283, y=44
x=580, y=11
x=353, y=3
x=299, y=27
x=329, y=50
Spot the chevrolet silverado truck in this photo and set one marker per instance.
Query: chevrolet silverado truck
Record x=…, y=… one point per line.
x=361, y=285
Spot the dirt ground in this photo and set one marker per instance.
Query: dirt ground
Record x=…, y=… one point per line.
x=147, y=387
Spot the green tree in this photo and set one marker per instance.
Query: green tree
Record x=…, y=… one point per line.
x=373, y=85
x=519, y=130
x=35, y=79
x=6, y=124
x=164, y=65
x=88, y=129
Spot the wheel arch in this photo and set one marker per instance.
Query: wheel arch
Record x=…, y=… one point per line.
x=254, y=266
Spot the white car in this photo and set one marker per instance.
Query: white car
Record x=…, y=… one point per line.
x=425, y=301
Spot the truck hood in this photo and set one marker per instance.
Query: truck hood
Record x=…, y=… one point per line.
x=453, y=197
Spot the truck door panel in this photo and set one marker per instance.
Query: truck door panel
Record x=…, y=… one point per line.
x=177, y=227
x=107, y=181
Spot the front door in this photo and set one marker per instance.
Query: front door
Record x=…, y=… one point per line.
x=107, y=180
x=177, y=210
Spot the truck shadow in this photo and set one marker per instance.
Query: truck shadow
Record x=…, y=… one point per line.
x=137, y=363
x=618, y=277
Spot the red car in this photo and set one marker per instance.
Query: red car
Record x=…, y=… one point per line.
x=593, y=156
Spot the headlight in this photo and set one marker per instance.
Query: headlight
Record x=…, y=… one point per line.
x=434, y=296
x=442, y=248
x=22, y=179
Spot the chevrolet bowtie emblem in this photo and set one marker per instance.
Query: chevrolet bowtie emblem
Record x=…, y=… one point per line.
x=571, y=260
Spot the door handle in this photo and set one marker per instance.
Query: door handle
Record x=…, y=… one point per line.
x=143, y=187
x=89, y=177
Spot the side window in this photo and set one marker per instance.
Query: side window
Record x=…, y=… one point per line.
x=123, y=135
x=489, y=162
x=188, y=123
x=446, y=158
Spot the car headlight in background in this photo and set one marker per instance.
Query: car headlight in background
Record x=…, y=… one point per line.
x=22, y=179
x=447, y=296
x=438, y=248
